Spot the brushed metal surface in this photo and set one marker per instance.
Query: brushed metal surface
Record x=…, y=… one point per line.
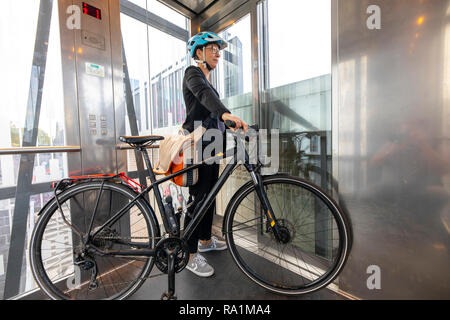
x=93, y=87
x=179, y=7
x=391, y=90
x=95, y=93
x=117, y=78
x=224, y=13
x=68, y=61
x=195, y=5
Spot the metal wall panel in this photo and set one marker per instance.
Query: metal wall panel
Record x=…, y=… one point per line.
x=220, y=15
x=194, y=5
x=117, y=77
x=391, y=91
x=94, y=96
x=88, y=65
x=68, y=60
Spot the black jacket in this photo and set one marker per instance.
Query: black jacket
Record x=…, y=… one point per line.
x=200, y=98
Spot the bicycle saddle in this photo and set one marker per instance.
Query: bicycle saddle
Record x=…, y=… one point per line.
x=140, y=140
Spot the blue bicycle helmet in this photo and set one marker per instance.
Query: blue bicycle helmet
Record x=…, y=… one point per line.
x=203, y=38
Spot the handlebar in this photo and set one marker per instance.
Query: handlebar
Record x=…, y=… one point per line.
x=232, y=124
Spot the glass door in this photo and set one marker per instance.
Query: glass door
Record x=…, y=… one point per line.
x=233, y=80
x=295, y=54
x=295, y=40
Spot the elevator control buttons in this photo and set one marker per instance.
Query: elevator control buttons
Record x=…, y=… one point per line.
x=98, y=124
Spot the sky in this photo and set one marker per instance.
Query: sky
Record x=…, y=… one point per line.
x=299, y=40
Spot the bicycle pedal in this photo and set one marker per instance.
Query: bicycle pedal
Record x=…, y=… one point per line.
x=167, y=296
x=93, y=285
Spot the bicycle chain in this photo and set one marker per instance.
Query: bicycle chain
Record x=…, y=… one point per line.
x=126, y=238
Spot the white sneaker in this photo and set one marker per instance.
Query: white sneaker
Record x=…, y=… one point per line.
x=214, y=245
x=198, y=265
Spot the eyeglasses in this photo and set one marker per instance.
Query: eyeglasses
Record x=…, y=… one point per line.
x=214, y=50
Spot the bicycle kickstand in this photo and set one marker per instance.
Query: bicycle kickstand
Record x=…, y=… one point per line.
x=170, y=295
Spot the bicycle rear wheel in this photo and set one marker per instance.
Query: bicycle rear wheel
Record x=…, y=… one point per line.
x=315, y=231
x=56, y=248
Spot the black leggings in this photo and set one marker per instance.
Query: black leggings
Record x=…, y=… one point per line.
x=208, y=176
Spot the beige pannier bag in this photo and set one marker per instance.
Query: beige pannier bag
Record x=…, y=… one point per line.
x=178, y=151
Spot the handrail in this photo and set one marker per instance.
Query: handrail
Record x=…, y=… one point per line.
x=22, y=150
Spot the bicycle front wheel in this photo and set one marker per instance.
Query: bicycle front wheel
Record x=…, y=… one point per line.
x=65, y=270
x=315, y=232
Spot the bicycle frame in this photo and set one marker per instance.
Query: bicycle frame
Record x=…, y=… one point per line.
x=207, y=201
x=169, y=252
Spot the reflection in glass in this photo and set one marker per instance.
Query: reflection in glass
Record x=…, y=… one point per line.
x=297, y=93
x=168, y=60
x=233, y=80
x=134, y=35
x=232, y=77
x=296, y=100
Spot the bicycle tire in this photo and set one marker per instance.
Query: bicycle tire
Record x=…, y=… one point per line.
x=253, y=246
x=48, y=222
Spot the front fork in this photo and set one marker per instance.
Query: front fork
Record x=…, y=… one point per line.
x=262, y=195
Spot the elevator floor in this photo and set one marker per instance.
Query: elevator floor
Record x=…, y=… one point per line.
x=228, y=283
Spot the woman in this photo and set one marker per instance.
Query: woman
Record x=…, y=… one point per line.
x=203, y=104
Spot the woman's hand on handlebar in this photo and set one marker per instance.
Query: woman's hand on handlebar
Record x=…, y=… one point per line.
x=239, y=123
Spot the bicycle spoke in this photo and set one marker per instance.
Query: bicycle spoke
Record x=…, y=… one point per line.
x=298, y=266
x=315, y=222
x=55, y=241
x=303, y=261
x=104, y=287
x=247, y=227
x=241, y=223
x=136, y=222
x=116, y=275
x=300, y=215
x=59, y=259
x=318, y=231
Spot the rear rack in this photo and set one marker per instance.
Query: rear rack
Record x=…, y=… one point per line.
x=67, y=182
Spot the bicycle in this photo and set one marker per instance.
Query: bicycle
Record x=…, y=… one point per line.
x=99, y=238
